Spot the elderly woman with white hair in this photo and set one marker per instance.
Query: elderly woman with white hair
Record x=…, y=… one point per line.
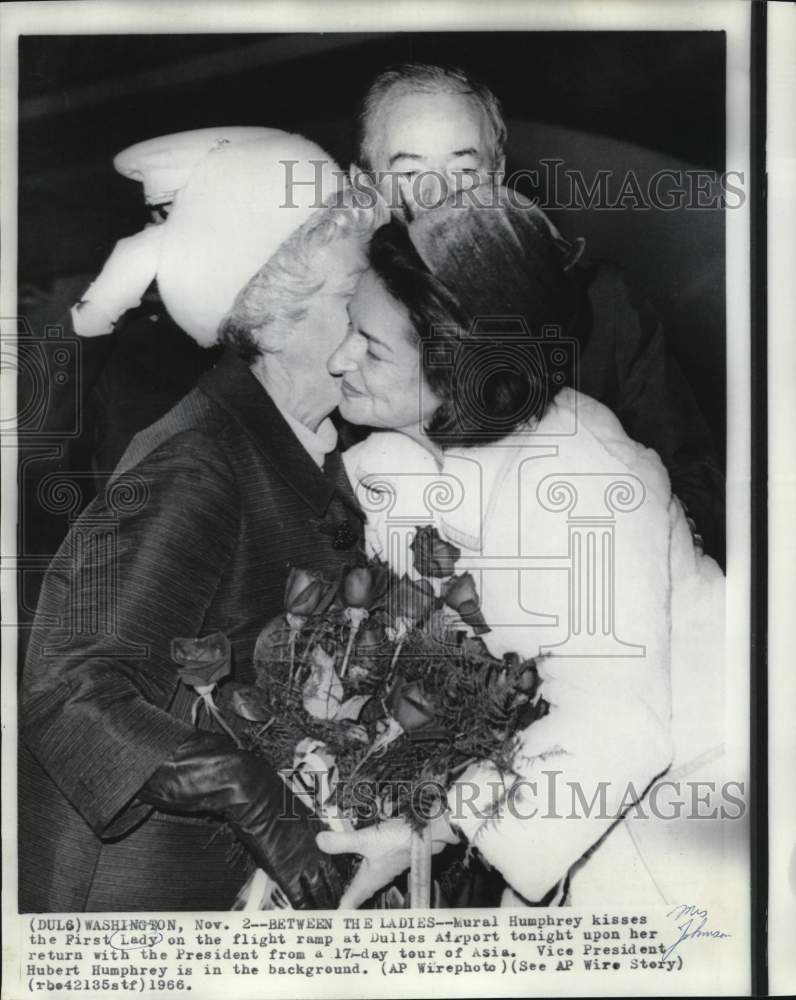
x=122, y=799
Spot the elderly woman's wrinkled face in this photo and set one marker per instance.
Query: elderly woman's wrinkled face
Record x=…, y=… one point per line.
x=379, y=361
x=314, y=392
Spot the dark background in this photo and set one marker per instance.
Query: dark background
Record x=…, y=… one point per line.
x=641, y=101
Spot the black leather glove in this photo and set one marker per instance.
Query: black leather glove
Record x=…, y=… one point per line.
x=208, y=773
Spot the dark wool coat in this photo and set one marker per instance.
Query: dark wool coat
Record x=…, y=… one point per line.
x=207, y=512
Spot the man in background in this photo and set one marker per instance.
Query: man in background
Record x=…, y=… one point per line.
x=424, y=128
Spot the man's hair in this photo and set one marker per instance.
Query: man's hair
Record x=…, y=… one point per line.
x=422, y=78
x=281, y=292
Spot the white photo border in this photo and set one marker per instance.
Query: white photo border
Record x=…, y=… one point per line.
x=143, y=16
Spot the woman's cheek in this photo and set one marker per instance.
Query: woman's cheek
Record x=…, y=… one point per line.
x=380, y=396
x=356, y=410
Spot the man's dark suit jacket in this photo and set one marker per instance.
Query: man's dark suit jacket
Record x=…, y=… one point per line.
x=626, y=365
x=231, y=501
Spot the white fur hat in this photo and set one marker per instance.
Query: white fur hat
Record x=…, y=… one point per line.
x=238, y=206
x=164, y=164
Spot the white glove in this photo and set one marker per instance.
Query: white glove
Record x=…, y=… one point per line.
x=386, y=852
x=128, y=272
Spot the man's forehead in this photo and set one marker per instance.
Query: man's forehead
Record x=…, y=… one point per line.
x=423, y=125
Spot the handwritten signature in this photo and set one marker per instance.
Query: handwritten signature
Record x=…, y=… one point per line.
x=692, y=926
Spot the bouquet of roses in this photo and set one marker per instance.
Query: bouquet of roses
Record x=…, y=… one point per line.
x=372, y=692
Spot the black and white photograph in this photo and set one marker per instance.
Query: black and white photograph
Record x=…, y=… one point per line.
x=383, y=460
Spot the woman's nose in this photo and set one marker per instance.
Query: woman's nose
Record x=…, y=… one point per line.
x=343, y=358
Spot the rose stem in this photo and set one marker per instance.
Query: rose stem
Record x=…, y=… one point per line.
x=291, y=645
x=213, y=710
x=351, y=636
x=263, y=728
x=308, y=650
x=394, y=660
x=369, y=753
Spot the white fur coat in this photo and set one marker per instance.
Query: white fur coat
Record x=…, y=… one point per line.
x=583, y=558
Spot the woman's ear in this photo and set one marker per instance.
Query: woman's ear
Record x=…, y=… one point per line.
x=270, y=337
